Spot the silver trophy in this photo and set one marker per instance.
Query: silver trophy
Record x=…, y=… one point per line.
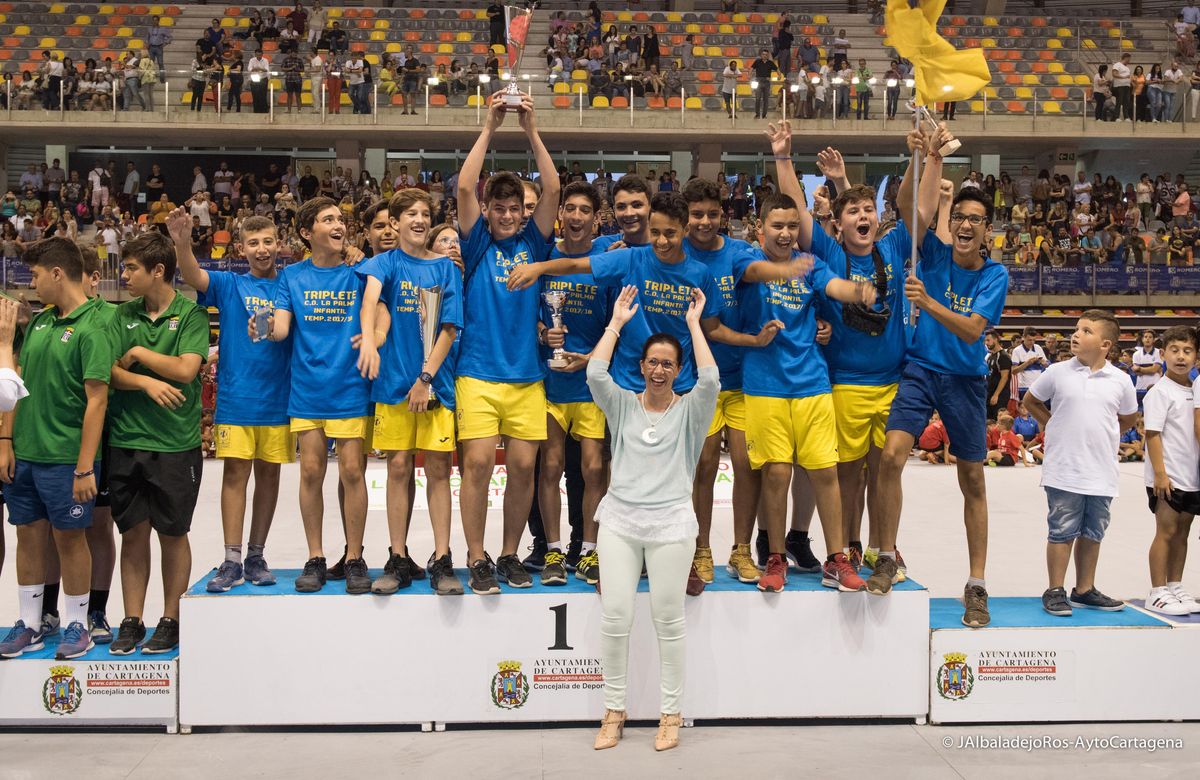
x=555, y=301
x=429, y=310
x=517, y=31
x=951, y=146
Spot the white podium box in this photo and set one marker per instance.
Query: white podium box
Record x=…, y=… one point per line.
x=1030, y=666
x=269, y=656
x=97, y=689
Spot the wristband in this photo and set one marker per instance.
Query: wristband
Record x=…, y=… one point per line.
x=5, y=438
x=613, y=331
x=88, y=473
x=777, y=157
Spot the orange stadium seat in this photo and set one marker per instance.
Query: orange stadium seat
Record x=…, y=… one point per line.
x=437, y=100
x=562, y=101
x=619, y=102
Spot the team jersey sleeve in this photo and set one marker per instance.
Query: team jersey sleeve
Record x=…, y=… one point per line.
x=896, y=247
x=283, y=292
x=96, y=354
x=539, y=245
x=118, y=339
x=1154, y=409
x=377, y=266
x=193, y=334
x=825, y=247
x=612, y=268
x=218, y=284
x=742, y=262
x=991, y=293
x=452, y=300
x=475, y=244
x=820, y=275
x=933, y=251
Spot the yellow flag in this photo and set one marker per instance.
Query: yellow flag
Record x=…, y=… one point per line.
x=941, y=72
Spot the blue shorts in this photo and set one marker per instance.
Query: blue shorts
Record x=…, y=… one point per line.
x=42, y=491
x=961, y=401
x=1072, y=515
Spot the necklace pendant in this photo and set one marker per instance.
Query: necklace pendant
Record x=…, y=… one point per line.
x=650, y=435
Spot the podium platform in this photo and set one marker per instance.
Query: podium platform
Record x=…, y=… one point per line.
x=97, y=689
x=269, y=656
x=1030, y=666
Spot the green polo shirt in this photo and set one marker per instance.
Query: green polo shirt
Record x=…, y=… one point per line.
x=58, y=356
x=135, y=420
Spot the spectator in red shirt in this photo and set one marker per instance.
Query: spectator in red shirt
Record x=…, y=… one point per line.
x=1007, y=450
x=934, y=444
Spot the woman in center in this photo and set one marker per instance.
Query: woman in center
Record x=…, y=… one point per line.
x=647, y=516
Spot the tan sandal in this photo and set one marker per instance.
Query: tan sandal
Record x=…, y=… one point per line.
x=611, y=729
x=668, y=732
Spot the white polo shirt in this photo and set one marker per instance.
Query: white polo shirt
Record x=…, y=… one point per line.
x=1168, y=409
x=1143, y=358
x=1029, y=375
x=1083, y=433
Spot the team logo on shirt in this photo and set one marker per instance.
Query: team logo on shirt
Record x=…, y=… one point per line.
x=954, y=677
x=62, y=693
x=510, y=688
x=173, y=323
x=67, y=334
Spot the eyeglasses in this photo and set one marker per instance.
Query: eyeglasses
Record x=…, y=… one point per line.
x=653, y=363
x=975, y=219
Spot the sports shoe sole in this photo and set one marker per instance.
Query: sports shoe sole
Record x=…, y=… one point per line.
x=1057, y=613
x=59, y=656
x=512, y=584
x=584, y=579
x=355, y=590
x=29, y=649
x=879, y=590
x=1166, y=612
x=219, y=589
x=768, y=588
x=492, y=591
x=314, y=588
x=830, y=582
x=1081, y=605
x=554, y=581
x=976, y=625
x=149, y=651
x=451, y=588
x=796, y=565
x=733, y=572
x=384, y=591
x=102, y=639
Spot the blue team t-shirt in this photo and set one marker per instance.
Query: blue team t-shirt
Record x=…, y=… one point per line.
x=403, y=354
x=326, y=384
x=1026, y=427
x=602, y=243
x=720, y=264
x=254, y=376
x=664, y=294
x=981, y=291
x=499, y=339
x=854, y=357
x=585, y=314
x=792, y=365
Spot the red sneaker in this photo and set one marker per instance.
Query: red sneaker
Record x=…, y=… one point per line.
x=695, y=585
x=838, y=573
x=775, y=577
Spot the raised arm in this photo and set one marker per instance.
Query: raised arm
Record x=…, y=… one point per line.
x=368, y=348
x=468, y=177
x=780, y=136
x=546, y=212
x=704, y=356
x=833, y=167
x=179, y=226
x=526, y=274
x=931, y=178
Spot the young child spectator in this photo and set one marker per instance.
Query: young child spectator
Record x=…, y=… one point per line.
x=934, y=444
x=1008, y=444
x=1133, y=443
x=1092, y=403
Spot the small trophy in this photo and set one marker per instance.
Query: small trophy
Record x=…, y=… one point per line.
x=429, y=310
x=951, y=146
x=555, y=300
x=517, y=25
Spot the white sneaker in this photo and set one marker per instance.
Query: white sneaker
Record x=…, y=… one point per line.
x=1185, y=598
x=1164, y=602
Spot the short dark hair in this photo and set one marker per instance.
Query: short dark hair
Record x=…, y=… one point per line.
x=55, y=252
x=1180, y=333
x=697, y=190
x=974, y=195
x=257, y=223
x=631, y=182
x=91, y=259
x=853, y=194
x=578, y=188
x=1029, y=332
x=306, y=216
x=503, y=186
x=152, y=249
x=774, y=202
x=1107, y=321
x=663, y=338
x=671, y=204
x=372, y=211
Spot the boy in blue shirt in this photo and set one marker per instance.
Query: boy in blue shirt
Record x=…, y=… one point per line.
x=252, y=426
x=957, y=295
x=319, y=298
x=499, y=389
x=631, y=209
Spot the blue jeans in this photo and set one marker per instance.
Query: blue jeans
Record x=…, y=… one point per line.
x=1168, y=106
x=1154, y=96
x=1072, y=515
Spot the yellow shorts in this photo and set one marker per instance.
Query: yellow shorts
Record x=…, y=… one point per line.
x=500, y=409
x=791, y=430
x=861, y=413
x=730, y=412
x=582, y=419
x=269, y=443
x=396, y=428
x=349, y=428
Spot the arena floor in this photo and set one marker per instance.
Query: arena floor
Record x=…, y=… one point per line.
x=933, y=544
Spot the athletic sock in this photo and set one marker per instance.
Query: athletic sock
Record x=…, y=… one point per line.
x=233, y=552
x=257, y=549
x=98, y=600
x=1173, y=585
x=50, y=599
x=977, y=582
x=887, y=554
x=75, y=609
x=846, y=551
x=29, y=598
x=554, y=546
x=874, y=551
x=587, y=548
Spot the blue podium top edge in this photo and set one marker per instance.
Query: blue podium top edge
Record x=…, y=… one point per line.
x=97, y=654
x=1027, y=612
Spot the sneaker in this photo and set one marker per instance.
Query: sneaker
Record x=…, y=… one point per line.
x=695, y=585
x=1094, y=599
x=702, y=564
x=762, y=548
x=510, y=569
x=975, y=607
x=129, y=635
x=442, y=578
x=258, y=573
x=870, y=557
x=536, y=560
x=98, y=627
x=883, y=577
x=798, y=549
x=1184, y=597
x=415, y=571
x=588, y=568
x=358, y=578
x=741, y=565
x=1165, y=602
x=1054, y=601
x=50, y=624
x=838, y=573
x=395, y=576
x=901, y=569
x=165, y=638
x=229, y=574
x=775, y=577
x=76, y=641
x=855, y=555
x=20, y=640
x=338, y=570
x=555, y=571
x=574, y=553
x=482, y=577
x=312, y=579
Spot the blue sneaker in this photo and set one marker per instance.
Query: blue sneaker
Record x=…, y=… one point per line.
x=20, y=640
x=228, y=575
x=257, y=572
x=76, y=641
x=98, y=627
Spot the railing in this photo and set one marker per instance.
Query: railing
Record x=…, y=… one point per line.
x=1104, y=279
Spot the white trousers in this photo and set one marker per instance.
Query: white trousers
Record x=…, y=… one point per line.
x=621, y=567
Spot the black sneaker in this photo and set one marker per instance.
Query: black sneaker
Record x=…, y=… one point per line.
x=358, y=579
x=1054, y=601
x=510, y=569
x=338, y=570
x=799, y=549
x=555, y=572
x=574, y=553
x=1094, y=599
x=415, y=571
x=442, y=578
x=130, y=634
x=312, y=579
x=536, y=560
x=165, y=639
x=395, y=576
x=762, y=549
x=483, y=578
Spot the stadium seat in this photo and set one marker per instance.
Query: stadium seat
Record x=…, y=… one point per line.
x=562, y=101
x=599, y=101
x=620, y=102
